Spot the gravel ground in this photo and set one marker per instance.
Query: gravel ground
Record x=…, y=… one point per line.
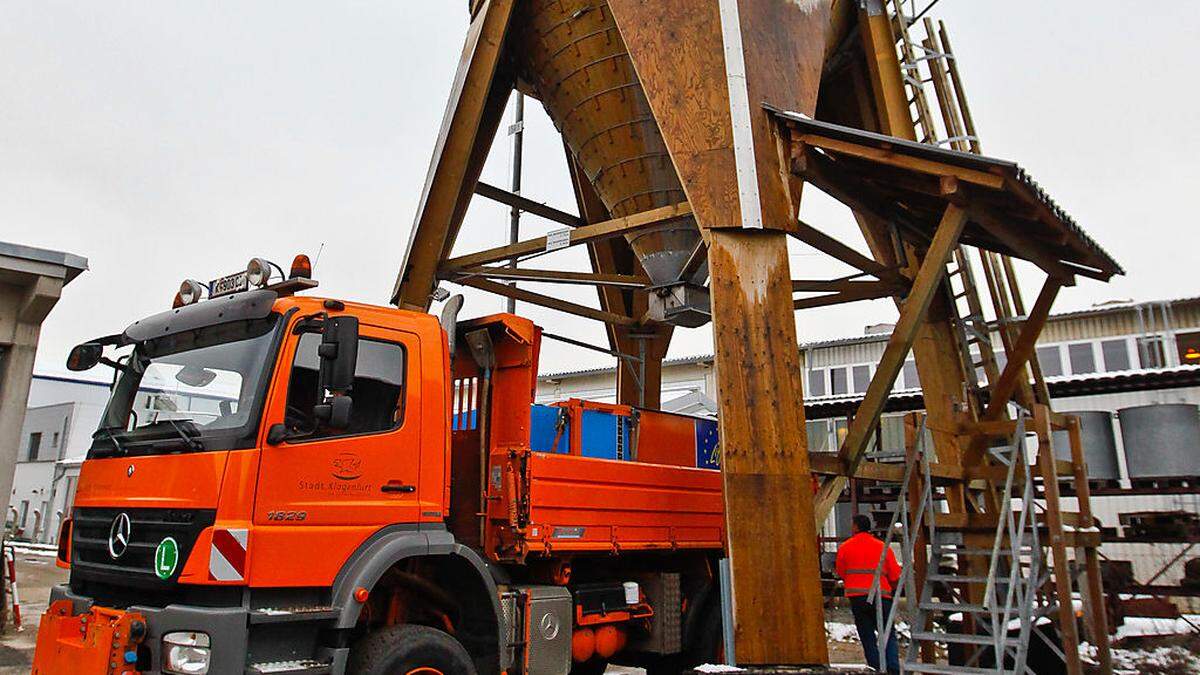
x=35, y=576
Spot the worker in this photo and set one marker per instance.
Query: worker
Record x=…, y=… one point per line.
x=857, y=559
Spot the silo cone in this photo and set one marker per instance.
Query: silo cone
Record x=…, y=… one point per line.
x=663, y=102
x=650, y=122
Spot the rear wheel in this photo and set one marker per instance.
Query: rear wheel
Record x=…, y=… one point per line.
x=410, y=650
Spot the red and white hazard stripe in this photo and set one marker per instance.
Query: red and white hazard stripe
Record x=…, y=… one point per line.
x=227, y=559
x=10, y=564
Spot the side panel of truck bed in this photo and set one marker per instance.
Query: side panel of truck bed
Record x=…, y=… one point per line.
x=583, y=504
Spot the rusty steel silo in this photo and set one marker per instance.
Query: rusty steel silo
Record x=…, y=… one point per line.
x=572, y=56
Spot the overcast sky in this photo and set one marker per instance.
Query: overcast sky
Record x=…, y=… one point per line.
x=169, y=139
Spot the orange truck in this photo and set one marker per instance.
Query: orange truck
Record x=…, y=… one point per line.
x=288, y=484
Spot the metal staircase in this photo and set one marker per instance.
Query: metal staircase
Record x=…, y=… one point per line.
x=1000, y=620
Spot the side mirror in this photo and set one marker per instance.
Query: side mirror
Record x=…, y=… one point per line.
x=85, y=356
x=335, y=413
x=339, y=354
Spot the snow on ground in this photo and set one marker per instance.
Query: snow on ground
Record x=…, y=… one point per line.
x=1177, y=659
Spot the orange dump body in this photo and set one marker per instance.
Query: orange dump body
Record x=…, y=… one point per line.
x=659, y=490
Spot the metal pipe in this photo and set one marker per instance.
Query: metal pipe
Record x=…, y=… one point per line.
x=517, y=131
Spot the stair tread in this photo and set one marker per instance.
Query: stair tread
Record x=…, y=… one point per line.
x=294, y=667
x=966, y=579
x=943, y=669
x=954, y=607
x=962, y=638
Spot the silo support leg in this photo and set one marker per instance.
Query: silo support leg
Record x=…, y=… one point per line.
x=778, y=612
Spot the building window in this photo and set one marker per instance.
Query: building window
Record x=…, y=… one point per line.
x=1151, y=353
x=35, y=445
x=818, y=436
x=1116, y=355
x=1189, y=348
x=911, y=379
x=1083, y=358
x=1050, y=358
x=816, y=382
x=862, y=378
x=54, y=440
x=838, y=382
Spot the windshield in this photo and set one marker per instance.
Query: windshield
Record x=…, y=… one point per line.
x=196, y=390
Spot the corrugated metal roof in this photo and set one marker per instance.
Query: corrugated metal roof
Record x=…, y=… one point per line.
x=1027, y=190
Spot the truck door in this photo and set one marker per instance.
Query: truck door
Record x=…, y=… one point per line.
x=366, y=474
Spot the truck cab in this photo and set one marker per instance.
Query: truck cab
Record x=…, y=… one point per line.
x=279, y=480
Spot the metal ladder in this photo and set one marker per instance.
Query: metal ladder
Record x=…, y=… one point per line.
x=1016, y=569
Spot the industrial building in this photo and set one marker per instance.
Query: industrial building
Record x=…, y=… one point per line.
x=31, y=281
x=62, y=415
x=1109, y=362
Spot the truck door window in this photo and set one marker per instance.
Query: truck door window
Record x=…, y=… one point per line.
x=378, y=390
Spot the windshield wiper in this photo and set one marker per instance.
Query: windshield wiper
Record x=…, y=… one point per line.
x=191, y=439
x=112, y=437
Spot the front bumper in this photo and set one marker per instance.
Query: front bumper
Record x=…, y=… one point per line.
x=65, y=647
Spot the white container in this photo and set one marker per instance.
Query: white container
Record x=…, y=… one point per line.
x=632, y=595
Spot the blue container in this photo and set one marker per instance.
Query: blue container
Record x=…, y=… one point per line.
x=544, y=429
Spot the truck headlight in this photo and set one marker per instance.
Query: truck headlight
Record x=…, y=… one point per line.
x=186, y=653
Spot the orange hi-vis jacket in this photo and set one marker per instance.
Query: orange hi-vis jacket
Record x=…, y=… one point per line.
x=857, y=559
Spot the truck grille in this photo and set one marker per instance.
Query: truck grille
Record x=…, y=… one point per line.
x=90, y=557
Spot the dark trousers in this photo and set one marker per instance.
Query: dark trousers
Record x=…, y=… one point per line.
x=864, y=621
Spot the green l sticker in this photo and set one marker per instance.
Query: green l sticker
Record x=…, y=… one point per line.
x=166, y=558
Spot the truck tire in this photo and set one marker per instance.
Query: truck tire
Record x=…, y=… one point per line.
x=409, y=650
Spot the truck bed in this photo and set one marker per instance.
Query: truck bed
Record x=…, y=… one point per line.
x=586, y=504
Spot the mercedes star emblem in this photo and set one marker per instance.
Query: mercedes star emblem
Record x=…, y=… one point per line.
x=118, y=535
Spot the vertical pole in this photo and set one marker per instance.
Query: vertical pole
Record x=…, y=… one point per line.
x=1094, y=607
x=517, y=131
x=768, y=495
x=1054, y=525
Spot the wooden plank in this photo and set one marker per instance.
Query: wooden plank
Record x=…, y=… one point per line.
x=1094, y=606
x=546, y=301
x=1024, y=348
x=873, y=292
x=903, y=161
x=580, y=235
x=473, y=113
x=1054, y=522
x=832, y=247
x=553, y=276
x=765, y=463
x=883, y=69
x=912, y=314
x=527, y=205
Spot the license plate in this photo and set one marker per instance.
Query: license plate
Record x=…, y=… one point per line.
x=229, y=284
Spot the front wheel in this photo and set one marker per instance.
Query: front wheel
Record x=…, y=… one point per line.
x=409, y=650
